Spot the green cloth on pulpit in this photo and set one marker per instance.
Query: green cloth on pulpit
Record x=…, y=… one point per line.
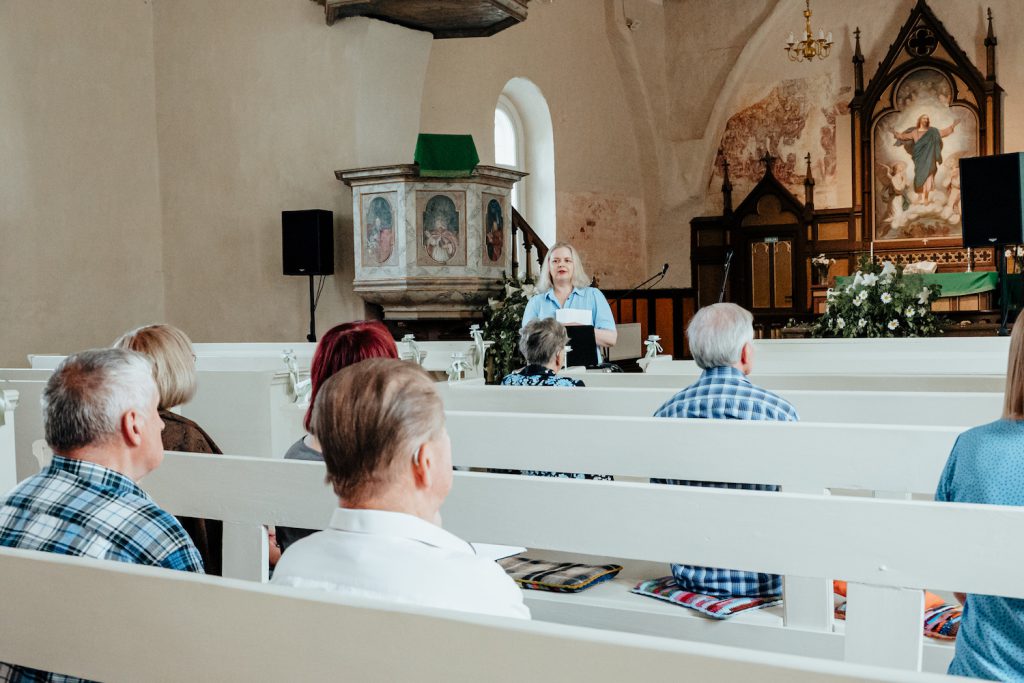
x=953, y=284
x=446, y=156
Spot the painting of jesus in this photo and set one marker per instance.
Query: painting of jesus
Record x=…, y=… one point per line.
x=917, y=147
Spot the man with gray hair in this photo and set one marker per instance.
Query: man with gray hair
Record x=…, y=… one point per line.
x=100, y=418
x=721, y=341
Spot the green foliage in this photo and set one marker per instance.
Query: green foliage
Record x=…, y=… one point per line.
x=880, y=302
x=503, y=318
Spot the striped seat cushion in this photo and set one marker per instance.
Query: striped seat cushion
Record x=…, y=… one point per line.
x=668, y=590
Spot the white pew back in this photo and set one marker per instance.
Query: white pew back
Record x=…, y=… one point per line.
x=8, y=460
x=53, y=599
x=865, y=407
x=818, y=382
x=852, y=363
x=863, y=541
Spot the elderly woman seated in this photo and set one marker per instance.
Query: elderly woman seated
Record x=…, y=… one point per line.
x=542, y=343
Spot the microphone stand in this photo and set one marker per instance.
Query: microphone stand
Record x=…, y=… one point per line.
x=725, y=277
x=659, y=276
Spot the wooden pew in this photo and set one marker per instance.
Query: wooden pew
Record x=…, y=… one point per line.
x=865, y=407
x=8, y=460
x=880, y=546
x=202, y=628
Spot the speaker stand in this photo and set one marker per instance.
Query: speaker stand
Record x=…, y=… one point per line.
x=311, y=337
x=1004, y=292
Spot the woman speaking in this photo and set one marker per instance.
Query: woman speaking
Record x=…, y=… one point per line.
x=565, y=286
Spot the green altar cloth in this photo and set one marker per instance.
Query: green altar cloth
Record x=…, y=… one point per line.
x=446, y=156
x=953, y=284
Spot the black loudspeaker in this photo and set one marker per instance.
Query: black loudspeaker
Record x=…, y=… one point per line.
x=991, y=199
x=307, y=242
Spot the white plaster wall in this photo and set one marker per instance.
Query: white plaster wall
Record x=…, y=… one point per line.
x=256, y=110
x=80, y=248
x=563, y=48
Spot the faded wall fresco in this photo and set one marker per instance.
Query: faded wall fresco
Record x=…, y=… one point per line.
x=797, y=116
x=608, y=231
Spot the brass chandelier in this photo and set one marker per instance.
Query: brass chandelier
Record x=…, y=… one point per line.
x=810, y=47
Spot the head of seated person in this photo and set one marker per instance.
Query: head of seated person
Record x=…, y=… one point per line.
x=341, y=346
x=174, y=369
x=543, y=344
x=388, y=457
x=722, y=335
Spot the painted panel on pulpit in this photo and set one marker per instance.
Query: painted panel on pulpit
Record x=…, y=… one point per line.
x=442, y=228
x=916, y=151
x=494, y=228
x=379, y=229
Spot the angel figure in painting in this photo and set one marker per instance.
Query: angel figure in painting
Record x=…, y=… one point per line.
x=894, y=189
x=924, y=144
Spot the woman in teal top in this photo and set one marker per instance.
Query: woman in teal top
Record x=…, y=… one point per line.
x=987, y=466
x=563, y=284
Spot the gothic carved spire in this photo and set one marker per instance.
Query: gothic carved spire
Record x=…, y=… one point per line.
x=726, y=184
x=990, y=50
x=858, y=65
x=808, y=185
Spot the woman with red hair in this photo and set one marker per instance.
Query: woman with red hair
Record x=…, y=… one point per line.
x=343, y=345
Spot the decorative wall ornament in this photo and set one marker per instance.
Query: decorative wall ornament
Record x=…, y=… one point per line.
x=494, y=231
x=809, y=47
x=379, y=226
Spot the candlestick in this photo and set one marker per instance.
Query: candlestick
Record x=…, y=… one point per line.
x=872, y=252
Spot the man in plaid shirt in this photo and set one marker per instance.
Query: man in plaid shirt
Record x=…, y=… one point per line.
x=101, y=420
x=720, y=338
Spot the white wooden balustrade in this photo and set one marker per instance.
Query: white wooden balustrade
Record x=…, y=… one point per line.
x=200, y=628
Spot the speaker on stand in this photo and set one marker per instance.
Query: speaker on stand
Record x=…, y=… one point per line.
x=992, y=206
x=307, y=248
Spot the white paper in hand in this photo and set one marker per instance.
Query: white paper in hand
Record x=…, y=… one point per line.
x=574, y=316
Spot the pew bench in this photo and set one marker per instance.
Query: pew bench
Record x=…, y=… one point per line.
x=190, y=485
x=862, y=541
x=204, y=628
x=927, y=364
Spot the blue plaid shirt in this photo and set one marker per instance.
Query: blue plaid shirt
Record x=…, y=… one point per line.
x=80, y=508
x=725, y=393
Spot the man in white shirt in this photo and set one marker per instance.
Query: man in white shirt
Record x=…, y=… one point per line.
x=380, y=424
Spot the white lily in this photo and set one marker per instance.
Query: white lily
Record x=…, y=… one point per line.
x=888, y=270
x=529, y=290
x=495, y=304
x=924, y=295
x=840, y=323
x=870, y=279
x=510, y=290
x=862, y=323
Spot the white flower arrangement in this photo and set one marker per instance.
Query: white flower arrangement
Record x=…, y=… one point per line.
x=883, y=302
x=822, y=261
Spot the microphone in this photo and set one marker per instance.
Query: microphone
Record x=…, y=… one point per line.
x=657, y=276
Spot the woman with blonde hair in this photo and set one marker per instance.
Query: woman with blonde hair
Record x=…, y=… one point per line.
x=987, y=466
x=174, y=369
x=563, y=285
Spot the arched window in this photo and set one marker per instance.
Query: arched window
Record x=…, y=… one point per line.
x=508, y=144
x=524, y=140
